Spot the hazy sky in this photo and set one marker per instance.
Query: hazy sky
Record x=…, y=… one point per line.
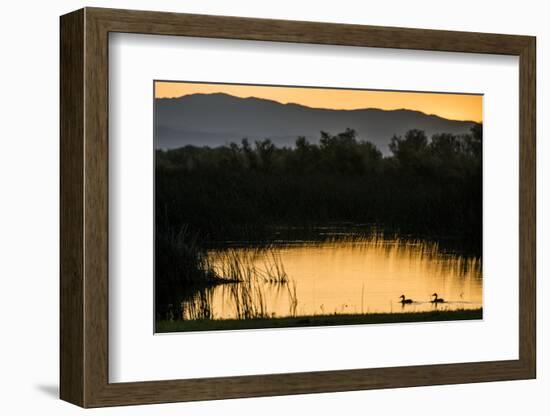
x=451, y=106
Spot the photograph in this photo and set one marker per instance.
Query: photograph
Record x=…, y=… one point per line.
x=280, y=206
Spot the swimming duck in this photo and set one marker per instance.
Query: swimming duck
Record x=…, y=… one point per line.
x=404, y=300
x=436, y=299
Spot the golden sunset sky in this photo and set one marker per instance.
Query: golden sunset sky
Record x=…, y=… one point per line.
x=451, y=106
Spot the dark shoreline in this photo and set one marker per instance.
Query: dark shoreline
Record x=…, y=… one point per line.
x=317, y=320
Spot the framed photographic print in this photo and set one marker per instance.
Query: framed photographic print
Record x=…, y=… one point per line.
x=256, y=207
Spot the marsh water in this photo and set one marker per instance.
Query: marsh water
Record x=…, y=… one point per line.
x=347, y=276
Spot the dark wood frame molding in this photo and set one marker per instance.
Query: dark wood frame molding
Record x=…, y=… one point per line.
x=84, y=209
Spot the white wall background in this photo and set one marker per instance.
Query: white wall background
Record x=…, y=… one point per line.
x=29, y=208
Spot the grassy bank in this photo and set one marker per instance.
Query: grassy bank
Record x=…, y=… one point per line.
x=317, y=320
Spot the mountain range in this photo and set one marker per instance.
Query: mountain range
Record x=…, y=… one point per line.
x=218, y=119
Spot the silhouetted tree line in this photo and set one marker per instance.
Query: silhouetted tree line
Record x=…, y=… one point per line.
x=427, y=185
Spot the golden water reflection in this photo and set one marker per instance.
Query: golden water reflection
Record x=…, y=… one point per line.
x=361, y=276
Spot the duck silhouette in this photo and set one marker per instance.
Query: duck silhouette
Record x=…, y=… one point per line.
x=405, y=300
x=437, y=299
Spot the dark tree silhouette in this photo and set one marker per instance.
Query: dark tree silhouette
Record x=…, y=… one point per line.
x=427, y=185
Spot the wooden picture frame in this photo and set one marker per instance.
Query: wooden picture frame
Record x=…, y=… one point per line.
x=84, y=207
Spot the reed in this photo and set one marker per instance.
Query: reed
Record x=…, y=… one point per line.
x=200, y=307
x=261, y=263
x=293, y=298
x=248, y=271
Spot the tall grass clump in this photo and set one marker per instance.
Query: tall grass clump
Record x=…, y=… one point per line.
x=238, y=265
x=249, y=271
x=181, y=268
x=199, y=307
x=249, y=300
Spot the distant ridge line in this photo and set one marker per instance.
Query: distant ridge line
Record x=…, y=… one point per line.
x=219, y=118
x=310, y=107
